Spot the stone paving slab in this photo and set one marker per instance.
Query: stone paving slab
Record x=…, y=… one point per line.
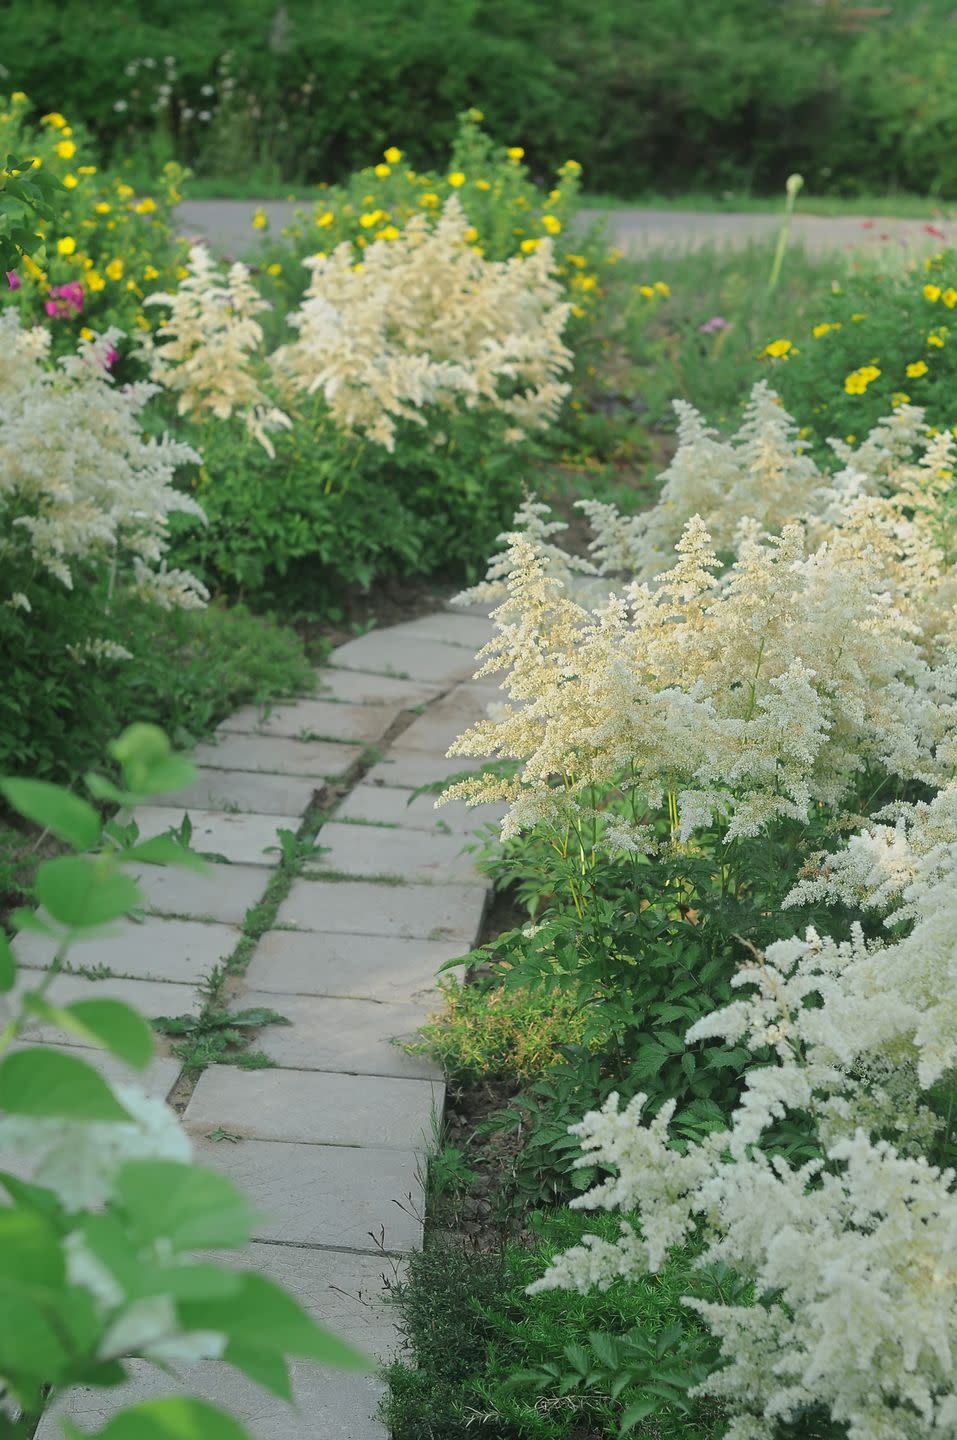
x=314, y=719
x=410, y=855
x=150, y=997
x=157, y=1080
x=316, y=1107
x=243, y=790
x=233, y=837
x=353, y=1037
x=355, y=687
x=179, y=950
x=328, y=1195
x=328, y=1404
x=426, y=912
x=223, y=893
x=452, y=629
x=406, y=658
x=276, y=755
x=379, y=804
x=411, y=769
x=364, y=967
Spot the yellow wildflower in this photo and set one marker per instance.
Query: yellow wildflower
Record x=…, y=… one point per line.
x=141, y=319
x=529, y=245
x=370, y=218
x=471, y=234
x=86, y=169
x=66, y=245
x=114, y=270
x=578, y=260
x=274, y=269
x=66, y=149
x=382, y=170
x=391, y=232
x=899, y=398
x=95, y=280
x=858, y=380
x=393, y=155
x=456, y=179
x=101, y=207
x=577, y=311
x=32, y=268
x=936, y=340
x=429, y=200
x=151, y=273
x=949, y=298
x=54, y=118
x=850, y=439
x=146, y=206
x=551, y=224
x=125, y=191
x=932, y=293
x=181, y=272
x=18, y=97
x=325, y=219
x=259, y=220
x=86, y=333
x=778, y=349
x=661, y=287
x=515, y=152
x=70, y=181
x=857, y=318
x=823, y=329
x=915, y=370
x=648, y=292
x=588, y=282
x=482, y=185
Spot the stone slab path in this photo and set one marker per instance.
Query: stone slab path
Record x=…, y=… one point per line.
x=226, y=225
x=331, y=1144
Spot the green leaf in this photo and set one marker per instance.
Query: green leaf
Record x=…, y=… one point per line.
x=31, y=1257
x=178, y=1418
x=66, y=816
x=83, y=893
x=263, y=1317
x=8, y=965
x=48, y=1082
x=165, y=850
x=108, y=1023
x=635, y=1413
x=188, y=1206
x=266, y=1367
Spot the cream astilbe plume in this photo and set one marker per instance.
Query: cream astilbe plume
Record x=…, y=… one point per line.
x=78, y=480
x=425, y=323
x=208, y=351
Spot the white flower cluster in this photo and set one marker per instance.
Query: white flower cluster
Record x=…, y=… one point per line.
x=78, y=479
x=209, y=350
x=424, y=322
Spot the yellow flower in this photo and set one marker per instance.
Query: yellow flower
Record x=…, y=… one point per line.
x=151, y=273
x=778, y=349
x=577, y=311
x=259, y=220
x=551, y=224
x=18, y=97
x=578, y=260
x=66, y=149
x=67, y=130
x=361, y=241
x=54, y=118
x=125, y=191
x=648, y=292
x=662, y=288
x=141, y=319
x=86, y=333
x=515, y=152
x=32, y=268
x=899, y=398
x=850, y=439
x=132, y=285
x=325, y=219
x=529, y=245
x=936, y=340
x=382, y=170
x=114, y=270
x=858, y=380
x=476, y=116
x=823, y=329
x=391, y=232
x=101, y=207
x=932, y=293
x=949, y=298
x=66, y=245
x=146, y=206
x=181, y=272
x=359, y=268
x=482, y=185
x=456, y=179
x=86, y=169
x=392, y=155
x=370, y=218
x=95, y=280
x=70, y=181
x=477, y=250
x=429, y=200
x=588, y=282
x=471, y=234
x=274, y=269
x=857, y=318
x=915, y=370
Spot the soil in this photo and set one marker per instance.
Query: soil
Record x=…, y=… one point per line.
x=388, y=602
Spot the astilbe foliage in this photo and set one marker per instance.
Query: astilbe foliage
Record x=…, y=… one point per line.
x=79, y=481
x=425, y=323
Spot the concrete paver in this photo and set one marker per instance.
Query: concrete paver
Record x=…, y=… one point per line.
x=157, y=1080
x=379, y=804
x=151, y=998
x=407, y=657
x=411, y=855
x=276, y=755
x=356, y=687
x=411, y=769
x=364, y=967
x=316, y=1107
x=244, y=790
x=330, y=1195
x=154, y=949
x=426, y=912
x=314, y=720
x=222, y=893
x=353, y=1037
x=230, y=836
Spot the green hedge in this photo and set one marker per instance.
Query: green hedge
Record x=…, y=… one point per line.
x=647, y=94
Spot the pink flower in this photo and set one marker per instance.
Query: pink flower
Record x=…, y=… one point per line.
x=712, y=326
x=65, y=300
x=13, y=280
x=933, y=230
x=110, y=359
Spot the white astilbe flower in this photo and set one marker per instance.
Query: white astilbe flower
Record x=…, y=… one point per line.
x=208, y=350
x=425, y=324
x=79, y=481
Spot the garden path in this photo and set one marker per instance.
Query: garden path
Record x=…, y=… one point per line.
x=636, y=231
x=329, y=1145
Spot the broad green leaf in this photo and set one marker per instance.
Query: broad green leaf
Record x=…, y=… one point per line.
x=266, y=1367
x=263, y=1317
x=48, y=1082
x=66, y=816
x=178, y=1418
x=31, y=1348
x=165, y=850
x=29, y=920
x=82, y=893
x=31, y=1256
x=148, y=763
x=637, y=1412
x=188, y=1206
x=108, y=1023
x=8, y=965
x=33, y=1197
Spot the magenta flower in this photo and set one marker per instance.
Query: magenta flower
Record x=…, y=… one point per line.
x=712, y=326
x=13, y=280
x=65, y=300
x=110, y=359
